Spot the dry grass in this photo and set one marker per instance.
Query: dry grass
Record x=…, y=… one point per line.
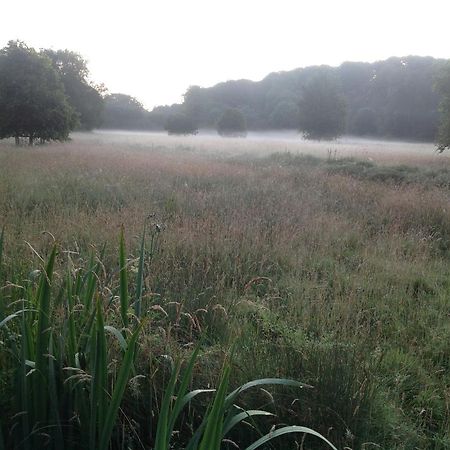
x=334, y=279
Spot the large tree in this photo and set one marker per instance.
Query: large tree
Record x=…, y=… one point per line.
x=123, y=112
x=232, y=123
x=33, y=103
x=443, y=87
x=84, y=97
x=322, y=108
x=181, y=123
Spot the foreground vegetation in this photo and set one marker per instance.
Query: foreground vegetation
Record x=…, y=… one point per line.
x=331, y=272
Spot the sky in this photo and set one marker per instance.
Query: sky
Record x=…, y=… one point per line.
x=155, y=49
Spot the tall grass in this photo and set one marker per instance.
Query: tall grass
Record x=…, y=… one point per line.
x=319, y=270
x=58, y=406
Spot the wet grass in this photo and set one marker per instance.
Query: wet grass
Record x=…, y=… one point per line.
x=334, y=272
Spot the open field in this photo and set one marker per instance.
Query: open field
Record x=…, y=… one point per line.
x=321, y=268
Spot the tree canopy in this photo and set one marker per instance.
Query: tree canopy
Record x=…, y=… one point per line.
x=123, y=112
x=232, y=123
x=84, y=97
x=322, y=108
x=392, y=98
x=181, y=123
x=33, y=103
x=443, y=87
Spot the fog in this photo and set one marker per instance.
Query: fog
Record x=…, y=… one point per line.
x=209, y=143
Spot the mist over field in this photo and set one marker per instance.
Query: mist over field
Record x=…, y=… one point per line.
x=264, y=143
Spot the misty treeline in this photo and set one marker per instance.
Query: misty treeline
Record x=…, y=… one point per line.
x=46, y=94
x=395, y=98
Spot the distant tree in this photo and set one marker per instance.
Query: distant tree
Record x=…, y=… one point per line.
x=157, y=118
x=232, y=123
x=443, y=88
x=322, y=109
x=32, y=99
x=181, y=123
x=122, y=111
x=285, y=115
x=84, y=97
x=365, y=122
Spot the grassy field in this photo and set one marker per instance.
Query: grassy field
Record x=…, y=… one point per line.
x=326, y=263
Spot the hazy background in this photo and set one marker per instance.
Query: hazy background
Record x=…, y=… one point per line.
x=154, y=50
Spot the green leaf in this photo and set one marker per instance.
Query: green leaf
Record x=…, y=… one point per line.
x=234, y=420
x=118, y=335
x=99, y=379
x=212, y=436
x=162, y=431
x=288, y=430
x=263, y=382
x=119, y=390
x=123, y=281
x=140, y=278
x=42, y=341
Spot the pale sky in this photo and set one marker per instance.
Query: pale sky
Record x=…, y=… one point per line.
x=155, y=49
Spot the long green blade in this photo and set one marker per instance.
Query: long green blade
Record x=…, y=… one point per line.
x=123, y=281
x=162, y=431
x=119, y=390
x=99, y=379
x=212, y=436
x=42, y=341
x=242, y=416
x=140, y=278
x=288, y=430
x=263, y=382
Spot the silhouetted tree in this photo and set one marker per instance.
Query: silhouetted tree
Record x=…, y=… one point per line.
x=397, y=91
x=285, y=115
x=443, y=87
x=322, y=109
x=232, y=123
x=181, y=123
x=32, y=99
x=123, y=112
x=84, y=97
x=365, y=122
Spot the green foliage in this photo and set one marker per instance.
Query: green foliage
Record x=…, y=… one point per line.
x=82, y=95
x=181, y=124
x=443, y=87
x=285, y=115
x=232, y=123
x=33, y=103
x=322, y=109
x=398, y=92
x=123, y=112
x=365, y=122
x=48, y=397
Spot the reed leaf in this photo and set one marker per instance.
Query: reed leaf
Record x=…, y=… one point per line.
x=42, y=341
x=119, y=390
x=123, y=281
x=140, y=278
x=288, y=430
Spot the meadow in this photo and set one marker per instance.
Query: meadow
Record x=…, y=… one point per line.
x=325, y=263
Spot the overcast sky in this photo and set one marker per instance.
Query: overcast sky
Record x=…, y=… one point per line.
x=155, y=49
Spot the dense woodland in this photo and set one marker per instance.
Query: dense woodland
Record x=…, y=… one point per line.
x=393, y=98
x=46, y=94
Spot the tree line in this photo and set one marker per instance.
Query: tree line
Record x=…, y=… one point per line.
x=45, y=94
x=399, y=98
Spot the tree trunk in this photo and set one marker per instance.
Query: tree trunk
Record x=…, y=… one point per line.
x=17, y=140
x=30, y=140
